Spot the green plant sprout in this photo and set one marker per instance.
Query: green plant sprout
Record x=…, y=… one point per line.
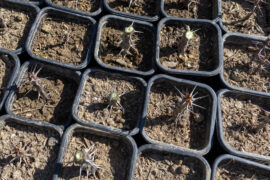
x=86, y=159
x=186, y=105
x=133, y=2
x=114, y=100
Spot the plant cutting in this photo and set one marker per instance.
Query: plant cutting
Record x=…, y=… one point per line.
x=110, y=101
x=246, y=63
x=179, y=113
x=27, y=150
x=44, y=93
x=233, y=167
x=156, y=162
x=88, y=153
x=16, y=19
x=188, y=46
x=243, y=124
x=248, y=17
x=124, y=44
x=62, y=38
x=197, y=9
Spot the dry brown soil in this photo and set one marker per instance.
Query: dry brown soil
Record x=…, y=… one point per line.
x=237, y=68
x=112, y=154
x=6, y=69
x=200, y=52
x=18, y=21
x=94, y=102
x=138, y=7
x=230, y=169
x=82, y=5
x=63, y=39
x=57, y=109
x=235, y=10
x=199, y=9
x=44, y=146
x=244, y=127
x=191, y=130
x=152, y=165
x=109, y=50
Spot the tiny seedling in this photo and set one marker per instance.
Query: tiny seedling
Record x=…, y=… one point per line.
x=187, y=3
x=131, y=2
x=114, y=100
x=186, y=104
x=86, y=159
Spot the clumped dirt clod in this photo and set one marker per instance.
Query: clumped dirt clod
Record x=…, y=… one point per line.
x=242, y=117
x=153, y=165
x=41, y=164
x=61, y=39
x=82, y=5
x=231, y=169
x=140, y=56
x=199, y=9
x=94, y=105
x=191, y=129
x=113, y=155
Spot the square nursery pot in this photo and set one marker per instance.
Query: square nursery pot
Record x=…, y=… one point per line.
x=166, y=121
x=35, y=2
x=9, y=65
x=108, y=51
x=18, y=18
x=203, y=53
x=93, y=107
x=156, y=162
x=83, y=7
x=38, y=143
x=51, y=101
x=62, y=38
x=243, y=124
x=232, y=167
x=242, y=66
x=204, y=9
x=145, y=10
x=114, y=153
x=234, y=17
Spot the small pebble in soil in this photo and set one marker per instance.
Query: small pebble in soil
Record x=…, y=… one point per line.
x=52, y=141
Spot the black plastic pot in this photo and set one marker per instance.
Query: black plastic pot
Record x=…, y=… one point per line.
x=165, y=150
x=16, y=65
x=239, y=39
x=264, y=99
x=214, y=10
x=73, y=75
x=37, y=3
x=210, y=120
x=134, y=16
x=199, y=24
x=245, y=162
x=78, y=128
x=142, y=25
x=83, y=13
x=12, y=119
x=23, y=6
x=76, y=103
x=65, y=15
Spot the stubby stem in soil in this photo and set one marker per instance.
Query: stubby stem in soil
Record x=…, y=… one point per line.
x=184, y=42
x=114, y=100
x=3, y=24
x=133, y=2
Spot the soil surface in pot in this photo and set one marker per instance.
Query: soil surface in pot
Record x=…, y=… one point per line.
x=245, y=123
x=199, y=55
x=238, y=71
x=82, y=5
x=141, y=7
x=94, y=103
x=230, y=169
x=199, y=9
x=6, y=69
x=113, y=155
x=43, y=145
x=63, y=39
x=235, y=10
x=191, y=129
x=18, y=21
x=140, y=57
x=156, y=165
x=60, y=91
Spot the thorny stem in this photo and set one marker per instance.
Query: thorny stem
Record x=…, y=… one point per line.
x=184, y=41
x=132, y=1
x=114, y=100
